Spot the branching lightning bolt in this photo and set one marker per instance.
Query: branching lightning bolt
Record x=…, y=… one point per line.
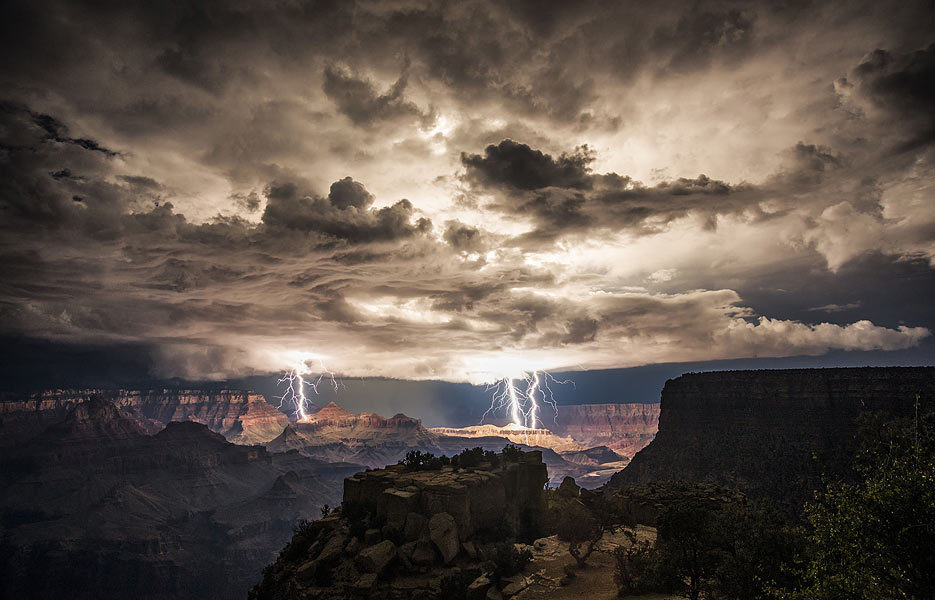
x=520, y=397
x=297, y=384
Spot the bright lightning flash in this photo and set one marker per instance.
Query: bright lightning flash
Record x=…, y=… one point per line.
x=295, y=394
x=520, y=397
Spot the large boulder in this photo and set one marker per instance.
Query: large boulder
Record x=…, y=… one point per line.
x=333, y=549
x=377, y=558
x=443, y=531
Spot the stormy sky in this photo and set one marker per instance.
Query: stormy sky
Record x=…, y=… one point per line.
x=461, y=191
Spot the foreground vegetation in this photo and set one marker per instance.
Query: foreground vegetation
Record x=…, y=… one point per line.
x=871, y=536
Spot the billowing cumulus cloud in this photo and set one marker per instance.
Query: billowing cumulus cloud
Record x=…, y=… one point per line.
x=459, y=190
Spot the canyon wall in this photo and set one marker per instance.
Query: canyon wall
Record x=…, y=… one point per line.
x=770, y=433
x=94, y=507
x=242, y=417
x=624, y=428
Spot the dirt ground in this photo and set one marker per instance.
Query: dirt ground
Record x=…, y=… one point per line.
x=594, y=582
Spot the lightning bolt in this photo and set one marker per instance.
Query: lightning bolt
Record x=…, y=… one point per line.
x=523, y=404
x=296, y=385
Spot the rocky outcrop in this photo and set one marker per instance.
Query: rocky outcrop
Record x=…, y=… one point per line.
x=102, y=510
x=475, y=499
x=242, y=417
x=624, y=428
x=770, y=433
x=400, y=533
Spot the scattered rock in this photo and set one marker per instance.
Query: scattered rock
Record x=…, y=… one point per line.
x=493, y=593
x=514, y=585
x=366, y=582
x=307, y=570
x=470, y=550
x=443, y=532
x=377, y=558
x=390, y=532
x=541, y=544
x=423, y=554
x=352, y=547
x=371, y=537
x=333, y=549
x=478, y=588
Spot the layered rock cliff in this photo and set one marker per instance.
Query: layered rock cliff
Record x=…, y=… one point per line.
x=770, y=433
x=96, y=508
x=624, y=428
x=242, y=417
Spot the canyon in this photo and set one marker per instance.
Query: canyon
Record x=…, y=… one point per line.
x=188, y=493
x=334, y=434
x=242, y=417
x=95, y=507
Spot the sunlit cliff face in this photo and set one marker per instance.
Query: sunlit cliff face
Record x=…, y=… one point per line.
x=469, y=191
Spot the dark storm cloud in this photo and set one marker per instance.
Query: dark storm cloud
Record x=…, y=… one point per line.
x=359, y=100
x=561, y=195
x=174, y=178
x=903, y=85
x=514, y=165
x=345, y=213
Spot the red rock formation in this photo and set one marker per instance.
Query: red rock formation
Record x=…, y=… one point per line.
x=624, y=428
x=240, y=416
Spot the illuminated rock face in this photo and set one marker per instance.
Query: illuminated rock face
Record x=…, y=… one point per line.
x=517, y=434
x=624, y=428
x=240, y=416
x=770, y=433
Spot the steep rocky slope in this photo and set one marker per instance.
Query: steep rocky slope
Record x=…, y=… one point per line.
x=770, y=433
x=96, y=508
x=240, y=416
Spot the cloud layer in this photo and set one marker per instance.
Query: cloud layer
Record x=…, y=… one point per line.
x=463, y=191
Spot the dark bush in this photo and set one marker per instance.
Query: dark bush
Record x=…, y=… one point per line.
x=512, y=453
x=416, y=460
x=508, y=560
x=471, y=458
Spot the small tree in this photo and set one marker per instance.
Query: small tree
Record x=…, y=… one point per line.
x=684, y=543
x=874, y=539
x=583, y=526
